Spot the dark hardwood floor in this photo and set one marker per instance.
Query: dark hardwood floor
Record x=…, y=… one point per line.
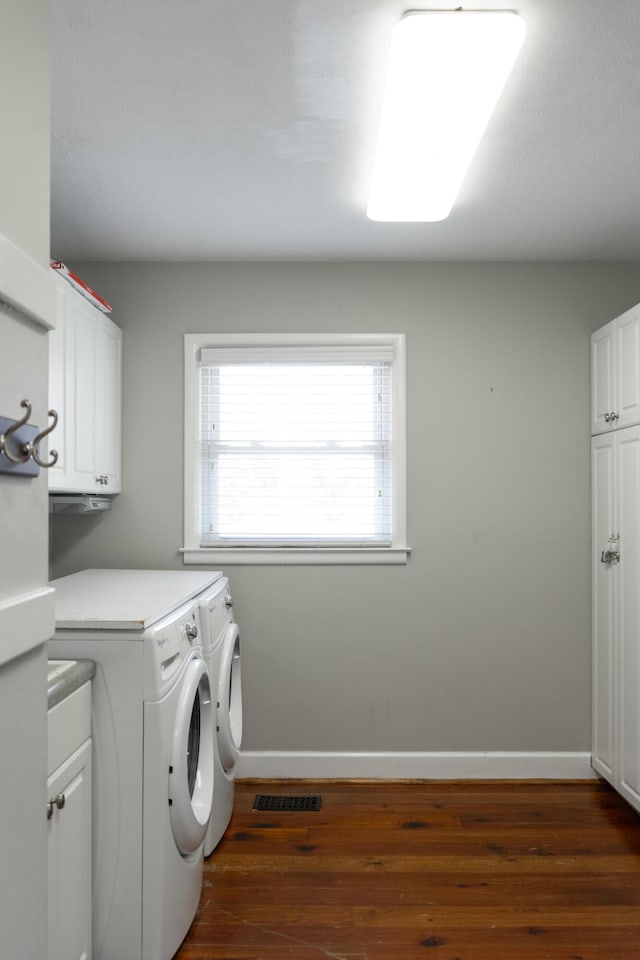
x=474, y=870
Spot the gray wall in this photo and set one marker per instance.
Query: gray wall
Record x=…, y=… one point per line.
x=26, y=128
x=482, y=642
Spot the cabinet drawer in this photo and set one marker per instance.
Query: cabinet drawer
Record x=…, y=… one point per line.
x=69, y=725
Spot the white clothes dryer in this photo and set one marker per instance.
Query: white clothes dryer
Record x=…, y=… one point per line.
x=177, y=786
x=221, y=651
x=152, y=729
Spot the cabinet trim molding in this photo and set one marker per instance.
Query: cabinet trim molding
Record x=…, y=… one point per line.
x=26, y=286
x=488, y=765
x=26, y=622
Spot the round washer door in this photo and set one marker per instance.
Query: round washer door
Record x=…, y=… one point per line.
x=229, y=709
x=191, y=770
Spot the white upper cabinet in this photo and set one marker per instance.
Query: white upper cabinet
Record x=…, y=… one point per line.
x=615, y=373
x=85, y=380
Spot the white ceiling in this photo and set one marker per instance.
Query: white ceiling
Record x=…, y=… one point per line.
x=244, y=129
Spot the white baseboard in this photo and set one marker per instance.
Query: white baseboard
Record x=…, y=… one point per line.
x=492, y=765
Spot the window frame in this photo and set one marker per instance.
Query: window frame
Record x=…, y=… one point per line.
x=194, y=553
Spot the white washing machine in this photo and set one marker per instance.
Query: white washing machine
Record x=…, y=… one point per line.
x=221, y=650
x=152, y=729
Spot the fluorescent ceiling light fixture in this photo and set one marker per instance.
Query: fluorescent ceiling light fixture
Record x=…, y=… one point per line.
x=446, y=71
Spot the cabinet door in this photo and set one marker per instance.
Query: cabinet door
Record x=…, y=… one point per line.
x=628, y=628
x=86, y=389
x=59, y=390
x=83, y=402
x=602, y=377
x=627, y=365
x=109, y=403
x=69, y=859
x=603, y=599
x=72, y=392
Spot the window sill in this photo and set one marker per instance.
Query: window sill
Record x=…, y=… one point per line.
x=220, y=556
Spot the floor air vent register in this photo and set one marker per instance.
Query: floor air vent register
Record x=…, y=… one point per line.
x=265, y=801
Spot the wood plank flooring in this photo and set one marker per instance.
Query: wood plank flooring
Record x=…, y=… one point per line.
x=474, y=870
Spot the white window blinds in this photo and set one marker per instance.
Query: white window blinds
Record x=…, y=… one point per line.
x=295, y=446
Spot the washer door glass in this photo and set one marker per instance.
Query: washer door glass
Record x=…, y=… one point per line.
x=229, y=706
x=191, y=769
x=193, y=746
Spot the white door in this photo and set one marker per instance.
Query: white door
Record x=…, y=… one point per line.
x=108, y=424
x=26, y=621
x=603, y=614
x=82, y=404
x=628, y=627
x=616, y=610
x=69, y=858
x=627, y=365
x=26, y=605
x=602, y=374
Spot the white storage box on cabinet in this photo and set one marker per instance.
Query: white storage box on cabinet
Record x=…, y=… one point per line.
x=615, y=373
x=85, y=387
x=69, y=828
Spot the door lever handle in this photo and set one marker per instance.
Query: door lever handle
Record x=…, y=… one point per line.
x=610, y=556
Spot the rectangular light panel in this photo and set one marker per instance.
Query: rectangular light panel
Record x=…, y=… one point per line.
x=445, y=74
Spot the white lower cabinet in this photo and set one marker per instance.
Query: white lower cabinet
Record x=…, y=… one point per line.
x=616, y=610
x=69, y=830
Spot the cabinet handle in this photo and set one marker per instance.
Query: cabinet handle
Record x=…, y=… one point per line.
x=60, y=801
x=607, y=417
x=610, y=556
x=49, y=809
x=613, y=417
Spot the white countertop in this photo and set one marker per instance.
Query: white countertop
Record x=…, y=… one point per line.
x=124, y=599
x=65, y=676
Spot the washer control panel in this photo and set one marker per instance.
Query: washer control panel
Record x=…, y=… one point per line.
x=216, y=613
x=168, y=644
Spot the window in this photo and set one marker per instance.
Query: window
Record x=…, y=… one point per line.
x=294, y=448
